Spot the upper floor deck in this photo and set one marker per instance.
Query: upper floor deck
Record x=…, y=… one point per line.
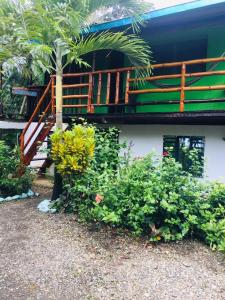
x=173, y=89
x=126, y=90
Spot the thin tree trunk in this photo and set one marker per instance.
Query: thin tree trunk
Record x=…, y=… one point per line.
x=58, y=187
x=59, y=118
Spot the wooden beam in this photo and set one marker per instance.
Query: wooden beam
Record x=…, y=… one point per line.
x=79, y=85
x=127, y=88
x=163, y=102
x=74, y=105
x=90, y=92
x=205, y=88
x=108, y=87
x=117, y=87
x=146, y=91
x=190, y=62
x=151, y=78
x=209, y=73
x=99, y=88
x=73, y=96
x=53, y=95
x=168, y=102
x=182, y=92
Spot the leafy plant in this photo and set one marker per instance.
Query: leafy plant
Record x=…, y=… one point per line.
x=211, y=223
x=73, y=150
x=147, y=196
x=10, y=181
x=108, y=150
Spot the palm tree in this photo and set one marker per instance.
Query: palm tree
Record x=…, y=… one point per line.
x=54, y=33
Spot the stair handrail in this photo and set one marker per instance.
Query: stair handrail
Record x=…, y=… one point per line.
x=22, y=136
x=39, y=122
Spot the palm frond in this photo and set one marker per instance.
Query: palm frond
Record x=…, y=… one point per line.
x=38, y=26
x=136, y=49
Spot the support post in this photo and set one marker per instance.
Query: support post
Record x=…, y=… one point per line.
x=127, y=88
x=59, y=88
x=182, y=92
x=90, y=108
x=53, y=95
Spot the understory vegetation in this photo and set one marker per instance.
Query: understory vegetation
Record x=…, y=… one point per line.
x=146, y=196
x=11, y=181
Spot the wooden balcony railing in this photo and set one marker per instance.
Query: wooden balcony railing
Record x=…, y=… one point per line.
x=115, y=87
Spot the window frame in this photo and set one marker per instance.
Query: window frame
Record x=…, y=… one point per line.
x=179, y=156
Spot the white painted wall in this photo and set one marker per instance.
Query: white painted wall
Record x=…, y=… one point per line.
x=147, y=138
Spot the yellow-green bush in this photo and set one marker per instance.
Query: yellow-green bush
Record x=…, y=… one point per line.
x=73, y=150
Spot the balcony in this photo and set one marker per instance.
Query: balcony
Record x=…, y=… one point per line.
x=120, y=95
x=119, y=91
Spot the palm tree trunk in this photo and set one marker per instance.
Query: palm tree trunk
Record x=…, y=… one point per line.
x=58, y=186
x=59, y=70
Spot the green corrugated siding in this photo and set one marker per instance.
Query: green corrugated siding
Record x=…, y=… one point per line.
x=216, y=46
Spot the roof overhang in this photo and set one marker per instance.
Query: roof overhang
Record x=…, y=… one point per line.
x=211, y=7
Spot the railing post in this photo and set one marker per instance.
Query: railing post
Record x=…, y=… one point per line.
x=108, y=88
x=53, y=95
x=182, y=92
x=99, y=88
x=90, y=107
x=127, y=88
x=22, y=147
x=117, y=87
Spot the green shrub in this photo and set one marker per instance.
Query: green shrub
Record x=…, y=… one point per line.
x=10, y=181
x=10, y=137
x=147, y=196
x=73, y=150
x=107, y=149
x=211, y=222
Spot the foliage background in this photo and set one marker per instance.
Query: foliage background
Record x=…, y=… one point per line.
x=11, y=182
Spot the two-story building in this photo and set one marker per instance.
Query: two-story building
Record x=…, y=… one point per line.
x=181, y=105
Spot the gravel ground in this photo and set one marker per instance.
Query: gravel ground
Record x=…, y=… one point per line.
x=54, y=257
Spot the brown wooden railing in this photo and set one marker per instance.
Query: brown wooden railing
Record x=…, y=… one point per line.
x=114, y=87
x=111, y=88
x=29, y=144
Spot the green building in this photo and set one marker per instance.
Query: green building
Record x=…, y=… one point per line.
x=182, y=103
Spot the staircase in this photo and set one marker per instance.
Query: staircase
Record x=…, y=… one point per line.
x=42, y=121
x=38, y=128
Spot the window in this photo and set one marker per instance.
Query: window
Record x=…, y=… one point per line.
x=180, y=51
x=180, y=146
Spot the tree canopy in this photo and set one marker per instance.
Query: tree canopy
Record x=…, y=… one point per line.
x=50, y=34
x=36, y=28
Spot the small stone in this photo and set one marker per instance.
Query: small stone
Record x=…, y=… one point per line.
x=44, y=206
x=30, y=193
x=16, y=197
x=23, y=196
x=8, y=198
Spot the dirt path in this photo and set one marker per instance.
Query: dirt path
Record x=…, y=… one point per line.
x=54, y=257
